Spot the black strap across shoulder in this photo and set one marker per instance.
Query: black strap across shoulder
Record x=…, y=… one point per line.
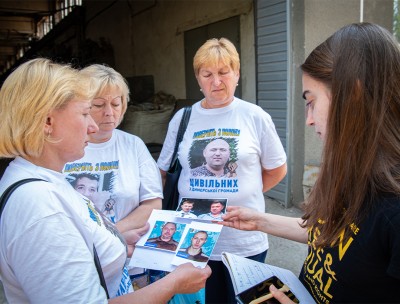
x=6, y=195
x=181, y=131
x=100, y=271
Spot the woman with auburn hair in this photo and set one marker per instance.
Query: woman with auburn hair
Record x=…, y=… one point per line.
x=352, y=215
x=49, y=232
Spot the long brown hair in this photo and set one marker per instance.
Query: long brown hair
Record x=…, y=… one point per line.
x=360, y=63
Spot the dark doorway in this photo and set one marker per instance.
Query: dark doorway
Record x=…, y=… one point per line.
x=228, y=28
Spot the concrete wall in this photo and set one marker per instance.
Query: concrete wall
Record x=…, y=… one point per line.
x=148, y=37
x=321, y=19
x=296, y=105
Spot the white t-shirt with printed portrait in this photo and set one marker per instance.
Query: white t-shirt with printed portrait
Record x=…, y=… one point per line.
x=126, y=172
x=254, y=144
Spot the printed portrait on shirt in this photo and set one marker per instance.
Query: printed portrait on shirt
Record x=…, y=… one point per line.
x=96, y=215
x=213, y=157
x=98, y=187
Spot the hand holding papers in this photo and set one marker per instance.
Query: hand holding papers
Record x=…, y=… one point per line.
x=172, y=241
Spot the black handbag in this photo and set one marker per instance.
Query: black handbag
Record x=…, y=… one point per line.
x=3, y=200
x=171, y=193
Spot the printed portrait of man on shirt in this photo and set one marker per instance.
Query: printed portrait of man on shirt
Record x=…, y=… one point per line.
x=213, y=158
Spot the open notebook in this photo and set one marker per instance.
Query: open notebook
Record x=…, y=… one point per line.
x=251, y=280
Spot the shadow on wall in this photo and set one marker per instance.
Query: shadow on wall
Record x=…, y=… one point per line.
x=309, y=178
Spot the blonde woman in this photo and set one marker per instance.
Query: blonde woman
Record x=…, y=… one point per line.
x=47, y=229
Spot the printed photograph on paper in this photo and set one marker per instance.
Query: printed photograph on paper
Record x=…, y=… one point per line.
x=197, y=244
x=165, y=235
x=202, y=209
x=153, y=251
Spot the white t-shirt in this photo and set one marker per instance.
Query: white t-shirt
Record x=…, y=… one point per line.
x=127, y=174
x=47, y=233
x=254, y=144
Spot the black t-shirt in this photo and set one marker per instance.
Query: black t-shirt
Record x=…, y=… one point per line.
x=364, y=269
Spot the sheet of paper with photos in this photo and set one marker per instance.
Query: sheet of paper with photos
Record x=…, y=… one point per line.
x=188, y=234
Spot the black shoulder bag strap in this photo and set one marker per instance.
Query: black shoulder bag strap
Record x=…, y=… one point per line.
x=182, y=128
x=100, y=271
x=7, y=193
x=3, y=201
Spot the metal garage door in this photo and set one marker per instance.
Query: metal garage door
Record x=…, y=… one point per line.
x=272, y=72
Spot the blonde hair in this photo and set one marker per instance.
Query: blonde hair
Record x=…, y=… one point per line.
x=103, y=77
x=214, y=51
x=27, y=97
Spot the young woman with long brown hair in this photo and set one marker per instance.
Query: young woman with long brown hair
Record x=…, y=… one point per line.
x=352, y=215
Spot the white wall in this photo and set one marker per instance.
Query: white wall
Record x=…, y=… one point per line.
x=321, y=19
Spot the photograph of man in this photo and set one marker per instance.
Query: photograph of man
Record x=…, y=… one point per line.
x=216, y=155
x=194, y=252
x=86, y=184
x=165, y=240
x=186, y=209
x=216, y=211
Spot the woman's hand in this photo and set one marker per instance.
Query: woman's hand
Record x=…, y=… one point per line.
x=280, y=295
x=282, y=226
x=188, y=278
x=133, y=236
x=241, y=218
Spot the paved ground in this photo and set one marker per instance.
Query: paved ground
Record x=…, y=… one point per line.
x=283, y=253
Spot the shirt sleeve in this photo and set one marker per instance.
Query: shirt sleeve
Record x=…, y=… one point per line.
x=150, y=177
x=272, y=152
